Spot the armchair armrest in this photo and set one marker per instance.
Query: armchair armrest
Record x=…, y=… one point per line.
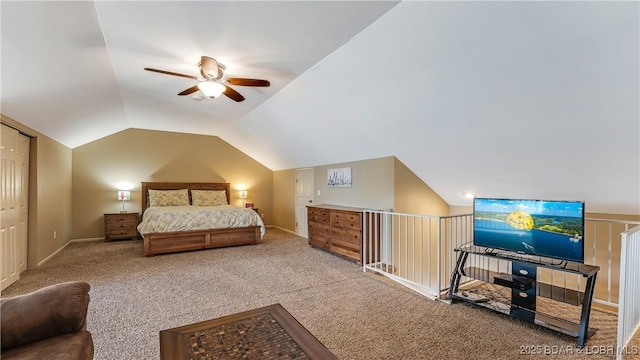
x=50, y=311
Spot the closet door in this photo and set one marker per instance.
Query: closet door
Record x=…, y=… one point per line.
x=14, y=167
x=22, y=195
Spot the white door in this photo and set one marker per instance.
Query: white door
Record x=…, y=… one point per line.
x=14, y=167
x=304, y=197
x=22, y=198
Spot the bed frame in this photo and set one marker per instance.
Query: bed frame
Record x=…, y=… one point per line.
x=170, y=242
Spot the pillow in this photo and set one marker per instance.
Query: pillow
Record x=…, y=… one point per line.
x=169, y=197
x=208, y=197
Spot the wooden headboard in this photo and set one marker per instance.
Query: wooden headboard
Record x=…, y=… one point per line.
x=146, y=186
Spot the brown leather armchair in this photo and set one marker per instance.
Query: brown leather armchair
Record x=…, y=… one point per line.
x=50, y=323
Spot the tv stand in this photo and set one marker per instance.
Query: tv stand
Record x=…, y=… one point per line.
x=525, y=289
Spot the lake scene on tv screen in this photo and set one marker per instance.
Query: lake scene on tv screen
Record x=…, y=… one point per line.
x=543, y=228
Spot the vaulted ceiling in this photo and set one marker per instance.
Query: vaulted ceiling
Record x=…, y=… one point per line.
x=504, y=99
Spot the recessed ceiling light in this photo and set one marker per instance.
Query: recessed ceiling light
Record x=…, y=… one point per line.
x=468, y=195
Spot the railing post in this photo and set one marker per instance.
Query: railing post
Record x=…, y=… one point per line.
x=629, y=289
x=439, y=262
x=365, y=240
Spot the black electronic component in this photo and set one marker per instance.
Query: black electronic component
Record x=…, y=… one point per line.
x=513, y=281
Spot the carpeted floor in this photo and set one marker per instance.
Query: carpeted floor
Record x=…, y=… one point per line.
x=356, y=315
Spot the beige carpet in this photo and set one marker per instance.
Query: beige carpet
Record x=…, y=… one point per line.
x=356, y=315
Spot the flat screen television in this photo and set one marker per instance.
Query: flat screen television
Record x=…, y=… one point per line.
x=545, y=228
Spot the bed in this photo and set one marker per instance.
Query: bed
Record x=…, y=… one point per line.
x=167, y=234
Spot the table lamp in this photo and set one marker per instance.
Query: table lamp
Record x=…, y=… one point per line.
x=124, y=195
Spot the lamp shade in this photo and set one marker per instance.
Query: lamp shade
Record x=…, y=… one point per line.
x=124, y=195
x=211, y=88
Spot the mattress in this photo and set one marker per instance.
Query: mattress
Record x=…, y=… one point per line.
x=186, y=218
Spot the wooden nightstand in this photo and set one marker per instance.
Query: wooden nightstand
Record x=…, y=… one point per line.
x=120, y=226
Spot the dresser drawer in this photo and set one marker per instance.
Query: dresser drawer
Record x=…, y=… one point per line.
x=122, y=221
x=120, y=226
x=354, y=255
x=351, y=220
x=114, y=227
x=347, y=235
x=319, y=241
x=319, y=228
x=317, y=215
x=123, y=233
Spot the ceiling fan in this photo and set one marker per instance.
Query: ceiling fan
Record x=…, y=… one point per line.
x=211, y=82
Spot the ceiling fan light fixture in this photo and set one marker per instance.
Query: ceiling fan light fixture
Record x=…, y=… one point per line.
x=211, y=84
x=211, y=88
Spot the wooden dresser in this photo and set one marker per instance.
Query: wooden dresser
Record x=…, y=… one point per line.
x=337, y=229
x=120, y=226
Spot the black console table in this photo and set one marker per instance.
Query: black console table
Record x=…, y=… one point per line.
x=525, y=288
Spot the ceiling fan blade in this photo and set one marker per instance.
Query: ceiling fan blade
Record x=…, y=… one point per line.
x=248, y=82
x=233, y=95
x=209, y=67
x=190, y=90
x=171, y=73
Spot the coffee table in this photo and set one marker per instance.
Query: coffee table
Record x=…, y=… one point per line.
x=269, y=332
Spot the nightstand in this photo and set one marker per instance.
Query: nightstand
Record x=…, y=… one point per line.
x=120, y=226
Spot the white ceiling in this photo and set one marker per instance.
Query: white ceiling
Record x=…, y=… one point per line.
x=504, y=99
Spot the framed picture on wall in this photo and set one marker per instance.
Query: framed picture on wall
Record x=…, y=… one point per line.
x=339, y=177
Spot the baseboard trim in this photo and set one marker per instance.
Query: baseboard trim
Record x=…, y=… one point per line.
x=53, y=254
x=283, y=229
x=64, y=246
x=87, y=240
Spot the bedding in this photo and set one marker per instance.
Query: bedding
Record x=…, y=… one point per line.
x=208, y=197
x=161, y=219
x=169, y=197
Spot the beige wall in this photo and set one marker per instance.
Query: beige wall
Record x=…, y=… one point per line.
x=413, y=196
x=460, y=210
x=49, y=194
x=383, y=183
x=284, y=199
x=372, y=184
x=612, y=216
x=372, y=188
x=136, y=155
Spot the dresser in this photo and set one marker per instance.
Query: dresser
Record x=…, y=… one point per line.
x=120, y=226
x=337, y=229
